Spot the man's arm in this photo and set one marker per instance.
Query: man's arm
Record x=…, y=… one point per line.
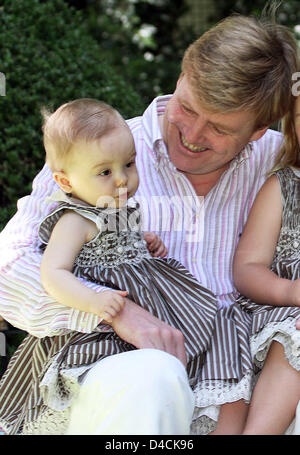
x=143, y=330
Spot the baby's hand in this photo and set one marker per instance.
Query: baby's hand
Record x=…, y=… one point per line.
x=155, y=245
x=111, y=304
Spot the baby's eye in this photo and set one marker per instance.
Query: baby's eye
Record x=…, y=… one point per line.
x=130, y=164
x=105, y=172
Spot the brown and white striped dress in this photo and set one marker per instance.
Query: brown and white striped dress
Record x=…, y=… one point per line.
x=270, y=323
x=44, y=375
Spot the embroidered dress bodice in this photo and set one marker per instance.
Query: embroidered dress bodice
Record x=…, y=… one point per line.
x=119, y=241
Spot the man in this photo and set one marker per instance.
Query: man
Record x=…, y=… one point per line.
x=202, y=155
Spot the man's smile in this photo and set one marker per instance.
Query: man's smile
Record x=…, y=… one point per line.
x=191, y=147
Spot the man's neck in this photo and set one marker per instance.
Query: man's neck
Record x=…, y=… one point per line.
x=203, y=183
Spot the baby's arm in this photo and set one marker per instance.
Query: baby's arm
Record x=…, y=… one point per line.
x=67, y=238
x=155, y=244
x=254, y=255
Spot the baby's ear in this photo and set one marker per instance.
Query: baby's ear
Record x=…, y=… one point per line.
x=63, y=181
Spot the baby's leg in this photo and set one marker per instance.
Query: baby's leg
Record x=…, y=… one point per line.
x=232, y=418
x=276, y=395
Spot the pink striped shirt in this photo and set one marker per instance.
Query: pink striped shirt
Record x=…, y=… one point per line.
x=202, y=233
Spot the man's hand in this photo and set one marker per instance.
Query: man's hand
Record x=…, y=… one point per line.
x=143, y=330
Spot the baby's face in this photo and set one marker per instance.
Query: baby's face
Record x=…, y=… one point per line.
x=103, y=173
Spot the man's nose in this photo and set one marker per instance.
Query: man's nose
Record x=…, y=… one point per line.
x=195, y=131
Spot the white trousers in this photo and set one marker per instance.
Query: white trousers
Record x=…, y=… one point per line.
x=297, y=421
x=140, y=392
x=294, y=428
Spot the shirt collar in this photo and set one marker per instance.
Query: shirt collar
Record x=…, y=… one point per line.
x=151, y=126
x=241, y=157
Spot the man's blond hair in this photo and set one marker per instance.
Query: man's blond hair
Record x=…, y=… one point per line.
x=244, y=63
x=83, y=119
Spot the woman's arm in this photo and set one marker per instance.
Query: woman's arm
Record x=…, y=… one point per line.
x=252, y=275
x=67, y=238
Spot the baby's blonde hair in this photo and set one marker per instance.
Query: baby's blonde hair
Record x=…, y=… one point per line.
x=83, y=119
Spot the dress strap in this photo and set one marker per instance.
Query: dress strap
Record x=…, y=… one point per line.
x=47, y=225
x=290, y=191
x=285, y=177
x=106, y=219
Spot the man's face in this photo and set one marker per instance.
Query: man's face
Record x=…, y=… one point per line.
x=201, y=142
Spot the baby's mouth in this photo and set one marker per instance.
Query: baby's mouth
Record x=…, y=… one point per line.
x=192, y=147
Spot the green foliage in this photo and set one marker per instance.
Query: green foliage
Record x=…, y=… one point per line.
x=48, y=57
x=288, y=12
x=141, y=38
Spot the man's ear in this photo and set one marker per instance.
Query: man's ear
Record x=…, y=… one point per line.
x=63, y=181
x=258, y=134
x=179, y=79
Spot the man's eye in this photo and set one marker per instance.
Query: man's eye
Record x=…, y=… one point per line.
x=218, y=131
x=186, y=109
x=106, y=172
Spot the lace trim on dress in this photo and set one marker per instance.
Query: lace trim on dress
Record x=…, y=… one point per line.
x=210, y=395
x=49, y=422
x=284, y=332
x=218, y=392
x=60, y=386
x=204, y=425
